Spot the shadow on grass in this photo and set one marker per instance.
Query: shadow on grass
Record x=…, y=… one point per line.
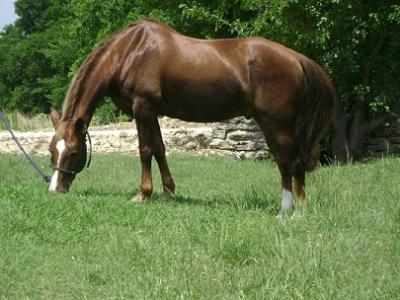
x=250, y=200
x=101, y=192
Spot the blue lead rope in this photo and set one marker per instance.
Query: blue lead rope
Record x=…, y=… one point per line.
x=38, y=169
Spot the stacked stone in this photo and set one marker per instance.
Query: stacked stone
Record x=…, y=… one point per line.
x=33, y=142
x=113, y=140
x=240, y=138
x=187, y=139
x=390, y=140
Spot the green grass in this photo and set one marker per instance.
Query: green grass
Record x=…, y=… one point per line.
x=218, y=238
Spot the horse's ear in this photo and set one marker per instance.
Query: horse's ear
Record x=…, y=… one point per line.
x=80, y=126
x=55, y=117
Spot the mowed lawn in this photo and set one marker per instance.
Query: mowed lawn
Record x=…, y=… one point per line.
x=217, y=238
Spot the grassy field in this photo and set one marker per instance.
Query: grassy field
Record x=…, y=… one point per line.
x=218, y=238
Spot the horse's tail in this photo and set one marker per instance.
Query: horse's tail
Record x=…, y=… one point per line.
x=316, y=113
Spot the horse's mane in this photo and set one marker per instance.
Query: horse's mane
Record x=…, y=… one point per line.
x=80, y=79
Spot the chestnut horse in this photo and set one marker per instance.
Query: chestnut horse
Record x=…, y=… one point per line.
x=148, y=69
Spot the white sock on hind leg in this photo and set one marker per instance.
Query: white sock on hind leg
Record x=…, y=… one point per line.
x=287, y=200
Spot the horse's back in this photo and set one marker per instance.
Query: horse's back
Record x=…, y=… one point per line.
x=209, y=80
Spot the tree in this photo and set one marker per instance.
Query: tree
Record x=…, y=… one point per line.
x=34, y=56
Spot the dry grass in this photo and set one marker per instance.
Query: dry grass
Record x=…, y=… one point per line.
x=22, y=122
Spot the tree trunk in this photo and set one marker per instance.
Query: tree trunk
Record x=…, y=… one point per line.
x=350, y=132
x=340, y=142
x=359, y=130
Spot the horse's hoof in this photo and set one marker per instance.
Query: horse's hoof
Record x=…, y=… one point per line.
x=138, y=198
x=297, y=215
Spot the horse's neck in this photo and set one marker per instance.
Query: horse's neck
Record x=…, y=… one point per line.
x=81, y=101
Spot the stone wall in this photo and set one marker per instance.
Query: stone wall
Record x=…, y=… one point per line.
x=387, y=138
x=239, y=138
x=242, y=138
x=113, y=140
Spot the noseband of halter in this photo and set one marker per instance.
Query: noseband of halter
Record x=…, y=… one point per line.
x=73, y=172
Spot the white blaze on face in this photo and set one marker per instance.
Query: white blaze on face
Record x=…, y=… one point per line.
x=60, y=146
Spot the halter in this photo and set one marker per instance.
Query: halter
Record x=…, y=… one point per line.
x=73, y=172
x=70, y=172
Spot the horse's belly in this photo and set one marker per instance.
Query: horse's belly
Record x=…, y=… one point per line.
x=203, y=101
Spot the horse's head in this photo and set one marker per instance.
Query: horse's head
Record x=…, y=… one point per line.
x=68, y=151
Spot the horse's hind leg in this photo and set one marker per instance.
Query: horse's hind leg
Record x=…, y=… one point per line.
x=283, y=146
x=285, y=149
x=285, y=156
x=299, y=181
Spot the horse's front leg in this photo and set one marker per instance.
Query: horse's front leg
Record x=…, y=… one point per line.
x=145, y=121
x=150, y=144
x=159, y=154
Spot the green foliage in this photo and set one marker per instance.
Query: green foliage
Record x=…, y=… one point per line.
x=95, y=19
x=35, y=57
x=238, y=18
x=108, y=113
x=356, y=41
x=217, y=238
